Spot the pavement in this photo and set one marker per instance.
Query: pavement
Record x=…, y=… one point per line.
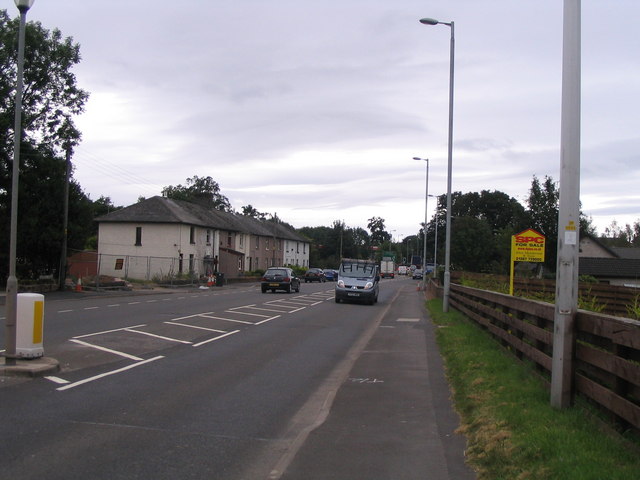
x=393, y=418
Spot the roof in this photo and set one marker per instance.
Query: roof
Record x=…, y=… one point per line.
x=166, y=210
x=627, y=252
x=609, y=267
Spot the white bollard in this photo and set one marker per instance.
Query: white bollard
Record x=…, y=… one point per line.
x=30, y=325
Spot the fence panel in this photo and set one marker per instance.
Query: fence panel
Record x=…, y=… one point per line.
x=607, y=349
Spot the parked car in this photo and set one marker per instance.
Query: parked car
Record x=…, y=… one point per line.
x=331, y=275
x=280, y=278
x=417, y=274
x=314, y=275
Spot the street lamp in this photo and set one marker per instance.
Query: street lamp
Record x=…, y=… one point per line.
x=12, y=281
x=447, y=253
x=435, y=241
x=426, y=202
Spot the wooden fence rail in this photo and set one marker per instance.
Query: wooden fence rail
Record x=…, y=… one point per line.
x=607, y=348
x=610, y=299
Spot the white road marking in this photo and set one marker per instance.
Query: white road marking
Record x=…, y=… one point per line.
x=58, y=380
x=106, y=374
x=196, y=326
x=108, y=350
x=226, y=319
x=110, y=331
x=215, y=338
x=157, y=336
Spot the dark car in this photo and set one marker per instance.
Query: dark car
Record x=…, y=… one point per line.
x=314, y=275
x=330, y=275
x=280, y=278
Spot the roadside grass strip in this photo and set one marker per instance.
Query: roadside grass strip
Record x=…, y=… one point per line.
x=512, y=430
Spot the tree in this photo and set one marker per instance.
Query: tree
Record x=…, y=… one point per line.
x=378, y=233
x=51, y=99
x=250, y=211
x=201, y=190
x=542, y=209
x=51, y=96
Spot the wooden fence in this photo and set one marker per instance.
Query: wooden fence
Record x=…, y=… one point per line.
x=610, y=299
x=607, y=348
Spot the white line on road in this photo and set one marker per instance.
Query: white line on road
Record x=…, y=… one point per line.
x=215, y=338
x=268, y=319
x=58, y=380
x=110, y=331
x=157, y=336
x=225, y=319
x=195, y=326
x=108, y=350
x=106, y=374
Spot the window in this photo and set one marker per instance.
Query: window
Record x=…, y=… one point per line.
x=241, y=240
x=119, y=263
x=138, y=236
x=297, y=247
x=191, y=263
x=257, y=243
x=192, y=235
x=266, y=244
x=229, y=239
x=304, y=248
x=208, y=237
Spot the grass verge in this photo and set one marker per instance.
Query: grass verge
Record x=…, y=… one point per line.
x=513, y=432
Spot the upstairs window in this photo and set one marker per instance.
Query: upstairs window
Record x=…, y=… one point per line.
x=192, y=235
x=138, y=236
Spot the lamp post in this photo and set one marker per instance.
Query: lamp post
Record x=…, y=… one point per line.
x=12, y=280
x=426, y=204
x=435, y=242
x=447, y=253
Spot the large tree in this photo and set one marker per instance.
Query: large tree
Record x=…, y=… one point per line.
x=51, y=99
x=378, y=233
x=204, y=191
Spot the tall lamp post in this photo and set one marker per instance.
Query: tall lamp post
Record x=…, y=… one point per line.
x=426, y=219
x=447, y=253
x=12, y=281
x=435, y=242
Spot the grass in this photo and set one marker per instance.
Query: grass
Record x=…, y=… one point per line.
x=513, y=432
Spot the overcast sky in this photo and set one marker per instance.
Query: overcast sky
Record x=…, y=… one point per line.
x=314, y=110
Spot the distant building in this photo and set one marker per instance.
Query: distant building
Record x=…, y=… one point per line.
x=161, y=237
x=611, y=265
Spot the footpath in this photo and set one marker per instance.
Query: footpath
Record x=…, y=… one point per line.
x=393, y=418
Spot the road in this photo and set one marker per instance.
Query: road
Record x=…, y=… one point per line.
x=212, y=383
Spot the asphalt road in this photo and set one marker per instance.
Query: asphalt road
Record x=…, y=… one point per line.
x=215, y=383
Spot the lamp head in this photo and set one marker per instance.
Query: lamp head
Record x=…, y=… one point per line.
x=429, y=21
x=24, y=5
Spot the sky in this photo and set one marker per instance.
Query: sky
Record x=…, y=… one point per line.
x=314, y=110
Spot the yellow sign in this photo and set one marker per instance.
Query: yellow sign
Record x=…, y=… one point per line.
x=527, y=246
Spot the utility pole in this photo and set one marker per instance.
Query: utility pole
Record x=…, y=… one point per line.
x=569, y=212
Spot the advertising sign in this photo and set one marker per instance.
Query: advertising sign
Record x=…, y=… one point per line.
x=526, y=246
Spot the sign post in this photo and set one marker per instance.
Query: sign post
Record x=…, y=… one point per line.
x=526, y=246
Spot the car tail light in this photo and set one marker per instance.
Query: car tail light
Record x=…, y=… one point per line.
x=286, y=279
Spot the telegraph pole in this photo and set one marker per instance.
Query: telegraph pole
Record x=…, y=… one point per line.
x=568, y=218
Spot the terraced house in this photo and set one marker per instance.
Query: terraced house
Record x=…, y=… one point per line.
x=160, y=238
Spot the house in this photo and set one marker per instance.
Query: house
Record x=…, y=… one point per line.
x=160, y=238
x=611, y=265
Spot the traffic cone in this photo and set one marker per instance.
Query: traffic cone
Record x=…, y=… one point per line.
x=79, y=285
